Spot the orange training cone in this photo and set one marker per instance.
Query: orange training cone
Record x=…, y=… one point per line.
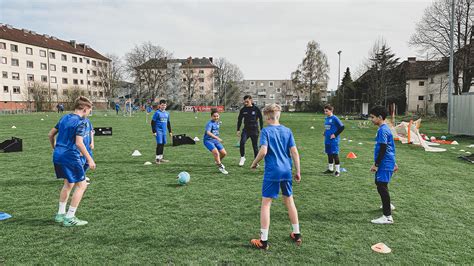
x=351, y=155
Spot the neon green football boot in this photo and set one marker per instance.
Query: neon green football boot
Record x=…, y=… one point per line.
x=68, y=222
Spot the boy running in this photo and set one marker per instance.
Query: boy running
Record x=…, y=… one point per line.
x=68, y=148
x=278, y=147
x=212, y=141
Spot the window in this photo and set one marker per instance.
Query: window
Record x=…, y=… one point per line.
x=5, y=89
x=201, y=71
x=421, y=83
x=30, y=77
x=29, y=50
x=54, y=91
x=278, y=90
x=52, y=67
x=201, y=80
x=100, y=83
x=15, y=62
x=99, y=64
x=272, y=96
x=184, y=79
x=74, y=70
x=53, y=79
x=201, y=88
x=44, y=78
x=75, y=82
x=65, y=92
x=421, y=98
x=52, y=55
x=63, y=57
x=88, y=61
x=64, y=69
x=94, y=83
x=14, y=48
x=105, y=65
x=252, y=83
x=88, y=82
x=64, y=80
x=82, y=82
x=43, y=66
x=101, y=94
x=270, y=83
x=94, y=63
x=3, y=45
x=4, y=74
x=432, y=80
x=15, y=76
x=42, y=53
x=74, y=59
x=88, y=72
x=80, y=59
x=94, y=73
x=95, y=93
x=16, y=89
x=80, y=71
x=4, y=60
x=29, y=64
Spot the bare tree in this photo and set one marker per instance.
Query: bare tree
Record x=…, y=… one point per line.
x=227, y=78
x=190, y=80
x=111, y=74
x=432, y=34
x=39, y=94
x=147, y=64
x=313, y=71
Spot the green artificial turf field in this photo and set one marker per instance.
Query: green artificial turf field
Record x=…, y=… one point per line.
x=137, y=214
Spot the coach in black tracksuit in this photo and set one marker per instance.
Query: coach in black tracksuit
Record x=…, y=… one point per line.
x=252, y=117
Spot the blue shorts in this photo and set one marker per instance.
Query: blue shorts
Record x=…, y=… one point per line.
x=73, y=172
x=331, y=148
x=211, y=145
x=160, y=138
x=270, y=189
x=383, y=176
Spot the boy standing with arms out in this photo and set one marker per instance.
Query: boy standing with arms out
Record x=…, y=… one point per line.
x=252, y=118
x=278, y=147
x=212, y=141
x=160, y=123
x=333, y=128
x=384, y=165
x=67, y=159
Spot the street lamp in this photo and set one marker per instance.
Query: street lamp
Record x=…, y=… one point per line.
x=339, y=78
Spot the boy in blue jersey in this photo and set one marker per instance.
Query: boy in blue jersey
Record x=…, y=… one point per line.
x=333, y=127
x=68, y=147
x=384, y=162
x=278, y=147
x=213, y=142
x=89, y=143
x=160, y=124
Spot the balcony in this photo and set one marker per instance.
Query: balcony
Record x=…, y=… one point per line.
x=262, y=93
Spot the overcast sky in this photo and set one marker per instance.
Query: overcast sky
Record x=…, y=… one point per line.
x=266, y=39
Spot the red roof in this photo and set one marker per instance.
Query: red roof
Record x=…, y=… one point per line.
x=45, y=41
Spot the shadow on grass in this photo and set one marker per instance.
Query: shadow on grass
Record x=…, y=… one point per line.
x=32, y=222
x=22, y=183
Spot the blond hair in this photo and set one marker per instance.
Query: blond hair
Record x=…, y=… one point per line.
x=82, y=102
x=272, y=111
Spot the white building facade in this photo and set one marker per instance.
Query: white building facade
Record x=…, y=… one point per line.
x=29, y=59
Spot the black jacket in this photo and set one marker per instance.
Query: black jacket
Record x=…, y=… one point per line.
x=252, y=117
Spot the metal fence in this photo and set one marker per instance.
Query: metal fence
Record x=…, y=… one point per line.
x=462, y=122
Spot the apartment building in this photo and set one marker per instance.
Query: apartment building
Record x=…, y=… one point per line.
x=187, y=81
x=265, y=92
x=29, y=59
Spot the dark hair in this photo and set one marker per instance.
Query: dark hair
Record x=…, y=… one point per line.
x=379, y=111
x=247, y=97
x=329, y=107
x=162, y=101
x=213, y=111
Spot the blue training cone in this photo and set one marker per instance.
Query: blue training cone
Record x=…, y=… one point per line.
x=4, y=216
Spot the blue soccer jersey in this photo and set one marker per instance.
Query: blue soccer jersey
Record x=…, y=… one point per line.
x=161, y=118
x=384, y=136
x=213, y=127
x=331, y=125
x=279, y=140
x=65, y=151
x=88, y=135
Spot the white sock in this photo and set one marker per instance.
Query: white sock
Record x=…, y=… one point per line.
x=331, y=167
x=338, y=168
x=264, y=234
x=296, y=228
x=62, y=208
x=388, y=217
x=71, y=212
x=159, y=157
